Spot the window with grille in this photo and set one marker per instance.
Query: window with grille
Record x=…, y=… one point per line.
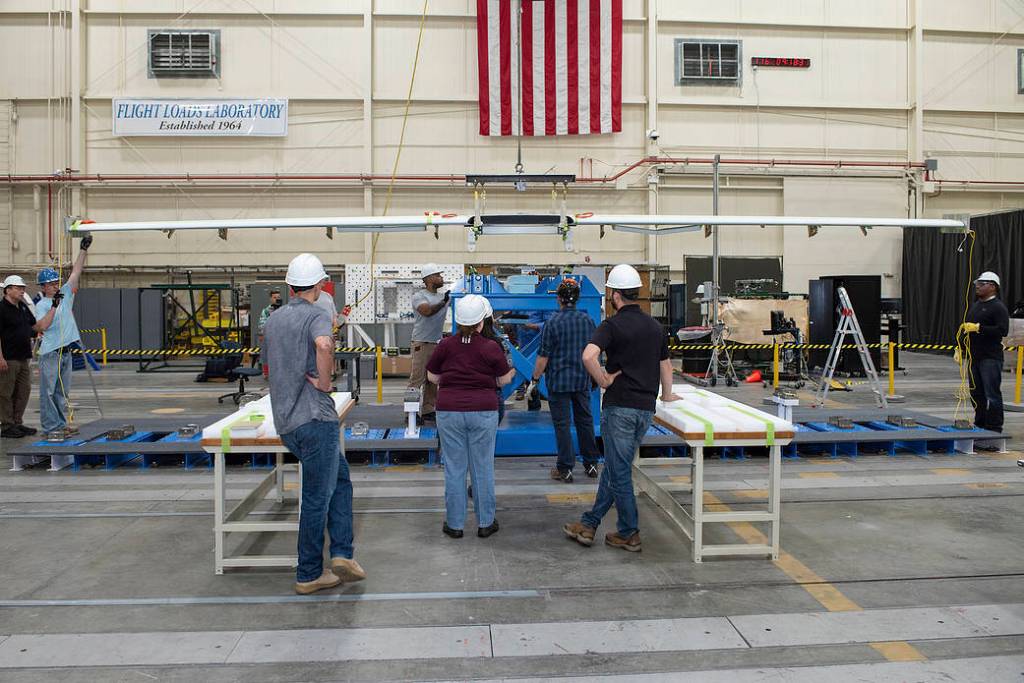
x=184, y=54
x=708, y=62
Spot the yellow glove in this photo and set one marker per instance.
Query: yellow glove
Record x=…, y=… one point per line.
x=970, y=327
x=957, y=358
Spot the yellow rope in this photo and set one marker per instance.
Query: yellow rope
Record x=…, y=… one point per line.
x=398, y=152
x=963, y=341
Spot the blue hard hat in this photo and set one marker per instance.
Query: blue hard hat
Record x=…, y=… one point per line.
x=48, y=275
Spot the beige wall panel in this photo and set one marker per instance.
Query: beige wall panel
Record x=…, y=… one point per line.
x=227, y=6
x=969, y=71
x=952, y=201
x=972, y=15
x=31, y=139
x=322, y=138
x=292, y=57
x=445, y=139
x=989, y=146
x=843, y=251
x=24, y=41
x=882, y=13
x=844, y=71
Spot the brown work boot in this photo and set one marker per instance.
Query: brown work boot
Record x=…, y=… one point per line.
x=632, y=544
x=580, y=532
x=559, y=475
x=347, y=570
x=326, y=580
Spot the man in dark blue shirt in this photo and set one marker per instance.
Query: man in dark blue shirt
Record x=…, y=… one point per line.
x=560, y=361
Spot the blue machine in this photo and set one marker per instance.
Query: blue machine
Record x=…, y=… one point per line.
x=530, y=432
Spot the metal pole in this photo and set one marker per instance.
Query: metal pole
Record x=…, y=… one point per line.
x=716, y=336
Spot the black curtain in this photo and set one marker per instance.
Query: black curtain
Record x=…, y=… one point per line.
x=935, y=273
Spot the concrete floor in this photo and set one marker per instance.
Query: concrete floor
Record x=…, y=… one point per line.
x=902, y=568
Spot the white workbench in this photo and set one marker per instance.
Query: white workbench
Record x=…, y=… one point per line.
x=705, y=419
x=250, y=429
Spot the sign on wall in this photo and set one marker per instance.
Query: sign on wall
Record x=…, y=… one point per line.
x=262, y=117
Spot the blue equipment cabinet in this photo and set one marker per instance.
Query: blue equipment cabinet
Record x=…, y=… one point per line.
x=530, y=432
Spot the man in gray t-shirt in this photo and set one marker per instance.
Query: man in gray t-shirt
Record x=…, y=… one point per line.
x=300, y=354
x=429, y=308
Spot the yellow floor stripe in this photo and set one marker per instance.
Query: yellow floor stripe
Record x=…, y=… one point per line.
x=830, y=597
x=986, y=485
x=680, y=479
x=752, y=493
x=899, y=651
x=950, y=471
x=571, y=497
x=404, y=468
x=818, y=475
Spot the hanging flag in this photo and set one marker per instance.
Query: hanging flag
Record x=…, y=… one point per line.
x=549, y=67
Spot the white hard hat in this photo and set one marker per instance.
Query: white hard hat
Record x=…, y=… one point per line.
x=623, y=276
x=13, y=281
x=470, y=309
x=430, y=269
x=489, y=312
x=305, y=270
x=989, y=276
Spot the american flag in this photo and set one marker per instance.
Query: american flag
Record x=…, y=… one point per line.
x=549, y=67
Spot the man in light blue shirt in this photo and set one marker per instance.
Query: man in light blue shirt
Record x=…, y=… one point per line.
x=59, y=334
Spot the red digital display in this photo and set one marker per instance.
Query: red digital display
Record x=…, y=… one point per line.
x=788, y=62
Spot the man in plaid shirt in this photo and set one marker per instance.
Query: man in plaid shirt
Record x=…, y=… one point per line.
x=560, y=361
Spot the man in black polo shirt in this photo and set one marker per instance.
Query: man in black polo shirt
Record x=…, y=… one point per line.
x=637, y=363
x=17, y=327
x=987, y=321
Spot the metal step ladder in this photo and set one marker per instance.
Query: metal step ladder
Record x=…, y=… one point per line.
x=848, y=325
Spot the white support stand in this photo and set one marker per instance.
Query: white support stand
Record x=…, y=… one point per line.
x=692, y=523
x=783, y=406
x=411, y=405
x=57, y=462
x=234, y=521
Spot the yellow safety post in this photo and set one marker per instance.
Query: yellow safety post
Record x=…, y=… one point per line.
x=1020, y=367
x=775, y=365
x=893, y=396
x=103, y=344
x=380, y=375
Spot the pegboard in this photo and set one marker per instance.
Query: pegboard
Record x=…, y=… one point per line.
x=391, y=300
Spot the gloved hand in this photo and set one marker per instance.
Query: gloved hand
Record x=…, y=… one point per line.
x=970, y=327
x=85, y=243
x=447, y=296
x=957, y=357
x=57, y=298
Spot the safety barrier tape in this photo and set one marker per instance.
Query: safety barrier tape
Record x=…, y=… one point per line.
x=394, y=350
x=223, y=352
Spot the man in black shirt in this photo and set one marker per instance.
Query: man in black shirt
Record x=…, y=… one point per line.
x=637, y=363
x=17, y=327
x=987, y=322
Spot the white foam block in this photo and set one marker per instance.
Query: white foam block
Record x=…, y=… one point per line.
x=699, y=407
x=262, y=407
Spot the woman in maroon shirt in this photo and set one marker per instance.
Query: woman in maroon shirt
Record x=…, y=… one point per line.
x=467, y=367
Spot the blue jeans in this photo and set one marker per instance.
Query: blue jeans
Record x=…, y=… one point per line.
x=621, y=430
x=54, y=388
x=574, y=406
x=986, y=376
x=467, y=443
x=326, y=496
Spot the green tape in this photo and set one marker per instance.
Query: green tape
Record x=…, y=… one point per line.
x=769, y=426
x=225, y=439
x=709, y=429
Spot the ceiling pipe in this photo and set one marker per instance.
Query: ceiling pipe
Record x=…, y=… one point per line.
x=450, y=178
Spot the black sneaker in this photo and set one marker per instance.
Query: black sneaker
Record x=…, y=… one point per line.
x=429, y=417
x=453, y=533
x=485, y=531
x=13, y=432
x=590, y=469
x=559, y=475
x=29, y=431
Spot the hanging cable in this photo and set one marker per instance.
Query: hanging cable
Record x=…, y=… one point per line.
x=963, y=340
x=398, y=152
